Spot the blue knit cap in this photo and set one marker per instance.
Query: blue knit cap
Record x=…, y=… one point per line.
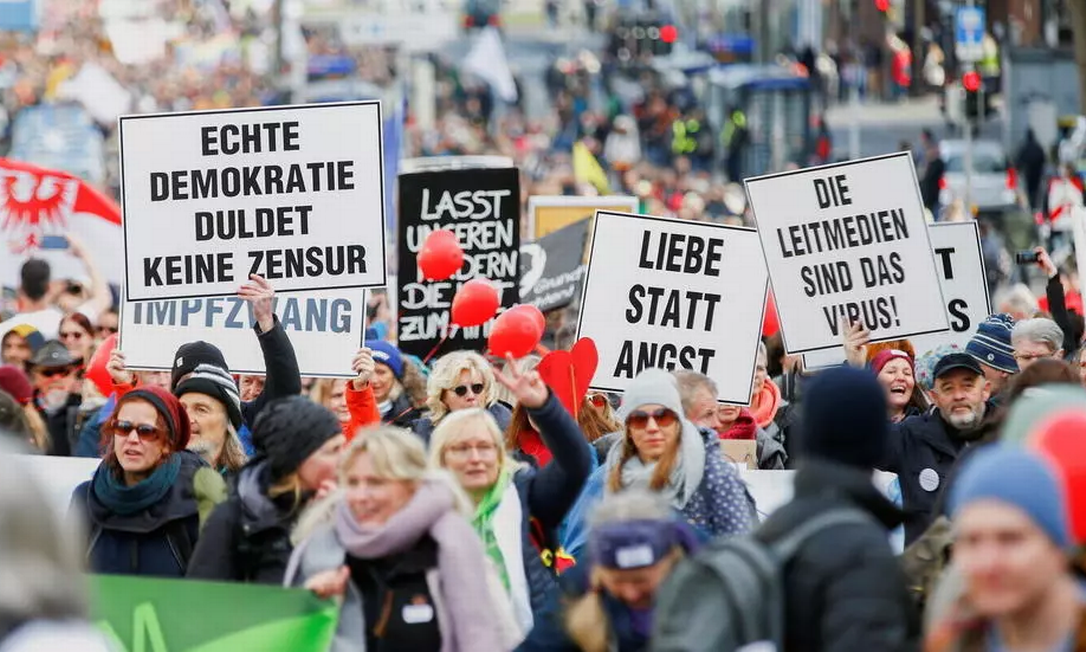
x=991, y=345
x=1016, y=477
x=388, y=355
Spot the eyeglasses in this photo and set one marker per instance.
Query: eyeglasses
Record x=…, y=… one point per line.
x=462, y=390
x=1029, y=357
x=598, y=400
x=463, y=451
x=145, y=431
x=640, y=419
x=72, y=335
x=107, y=329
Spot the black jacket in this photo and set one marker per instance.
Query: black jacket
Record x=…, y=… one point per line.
x=922, y=451
x=401, y=413
x=393, y=590
x=64, y=425
x=281, y=378
x=156, y=542
x=425, y=427
x=247, y=537
x=844, y=590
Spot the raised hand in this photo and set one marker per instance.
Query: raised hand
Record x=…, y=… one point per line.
x=330, y=583
x=855, y=339
x=117, y=370
x=363, y=365
x=260, y=294
x=528, y=388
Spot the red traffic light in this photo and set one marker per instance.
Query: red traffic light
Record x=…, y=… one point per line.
x=882, y=5
x=971, y=81
x=668, y=34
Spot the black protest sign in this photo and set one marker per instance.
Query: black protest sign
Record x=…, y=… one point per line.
x=482, y=207
x=551, y=268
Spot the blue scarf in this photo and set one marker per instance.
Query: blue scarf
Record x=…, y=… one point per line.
x=124, y=500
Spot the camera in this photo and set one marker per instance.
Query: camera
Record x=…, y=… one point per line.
x=1025, y=257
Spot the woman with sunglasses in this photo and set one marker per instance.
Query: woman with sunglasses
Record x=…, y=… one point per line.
x=460, y=380
x=77, y=334
x=145, y=504
x=513, y=500
x=662, y=452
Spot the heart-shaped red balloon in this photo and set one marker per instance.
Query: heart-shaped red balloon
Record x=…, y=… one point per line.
x=1060, y=439
x=96, y=369
x=515, y=333
x=475, y=303
x=569, y=373
x=440, y=255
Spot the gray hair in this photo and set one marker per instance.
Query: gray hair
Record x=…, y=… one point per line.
x=1017, y=299
x=1039, y=330
x=41, y=571
x=689, y=383
x=630, y=505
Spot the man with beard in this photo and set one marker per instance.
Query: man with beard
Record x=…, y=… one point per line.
x=922, y=449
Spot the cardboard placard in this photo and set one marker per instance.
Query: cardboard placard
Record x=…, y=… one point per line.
x=325, y=329
x=741, y=451
x=547, y=214
x=482, y=206
x=962, y=276
x=294, y=194
x=848, y=242
x=674, y=294
x=552, y=268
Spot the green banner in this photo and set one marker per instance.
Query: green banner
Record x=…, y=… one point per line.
x=160, y=615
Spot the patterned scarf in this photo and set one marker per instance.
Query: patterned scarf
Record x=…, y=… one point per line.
x=483, y=522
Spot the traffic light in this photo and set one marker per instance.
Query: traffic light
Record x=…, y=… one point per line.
x=977, y=105
x=971, y=81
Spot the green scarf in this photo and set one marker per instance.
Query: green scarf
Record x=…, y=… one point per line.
x=483, y=522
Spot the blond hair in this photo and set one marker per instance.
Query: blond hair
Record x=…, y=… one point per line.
x=322, y=390
x=446, y=375
x=233, y=456
x=461, y=423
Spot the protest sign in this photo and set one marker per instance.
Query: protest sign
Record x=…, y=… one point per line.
x=157, y=615
x=958, y=256
x=482, y=207
x=551, y=268
x=547, y=214
x=845, y=243
x=674, y=294
x=325, y=329
x=294, y=194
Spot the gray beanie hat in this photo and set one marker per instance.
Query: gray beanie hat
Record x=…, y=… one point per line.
x=652, y=386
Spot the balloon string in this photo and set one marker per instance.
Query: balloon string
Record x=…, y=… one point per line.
x=444, y=338
x=573, y=387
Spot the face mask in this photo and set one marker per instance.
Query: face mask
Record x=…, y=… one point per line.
x=53, y=399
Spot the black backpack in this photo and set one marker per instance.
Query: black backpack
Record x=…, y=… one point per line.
x=730, y=594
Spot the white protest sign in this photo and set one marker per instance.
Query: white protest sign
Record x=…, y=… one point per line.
x=325, y=328
x=294, y=194
x=845, y=243
x=958, y=256
x=673, y=294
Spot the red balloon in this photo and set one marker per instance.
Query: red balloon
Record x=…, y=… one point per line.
x=535, y=313
x=770, y=322
x=1061, y=439
x=440, y=256
x=515, y=333
x=96, y=368
x=475, y=302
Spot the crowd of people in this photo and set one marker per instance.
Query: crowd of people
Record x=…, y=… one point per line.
x=461, y=505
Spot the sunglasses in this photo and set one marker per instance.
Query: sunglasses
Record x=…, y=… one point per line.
x=598, y=401
x=53, y=372
x=663, y=418
x=462, y=390
x=145, y=431
x=107, y=329
x=72, y=335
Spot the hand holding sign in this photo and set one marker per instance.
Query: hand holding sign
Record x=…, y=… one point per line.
x=260, y=294
x=362, y=365
x=440, y=256
x=855, y=339
x=116, y=369
x=528, y=388
x=475, y=303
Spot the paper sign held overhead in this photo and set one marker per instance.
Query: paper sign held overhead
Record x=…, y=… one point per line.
x=848, y=243
x=674, y=295
x=325, y=328
x=294, y=194
x=958, y=256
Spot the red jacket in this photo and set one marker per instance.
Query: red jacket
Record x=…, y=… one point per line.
x=362, y=405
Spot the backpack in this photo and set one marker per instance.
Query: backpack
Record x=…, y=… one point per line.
x=730, y=595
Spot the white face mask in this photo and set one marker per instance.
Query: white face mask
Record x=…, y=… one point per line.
x=53, y=399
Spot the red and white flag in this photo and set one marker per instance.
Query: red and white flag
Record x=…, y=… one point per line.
x=36, y=202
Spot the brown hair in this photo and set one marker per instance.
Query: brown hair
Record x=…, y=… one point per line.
x=660, y=475
x=593, y=425
x=1045, y=371
x=898, y=345
x=414, y=384
x=109, y=455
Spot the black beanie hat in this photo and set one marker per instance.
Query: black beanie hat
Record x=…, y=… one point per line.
x=289, y=430
x=845, y=418
x=193, y=354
